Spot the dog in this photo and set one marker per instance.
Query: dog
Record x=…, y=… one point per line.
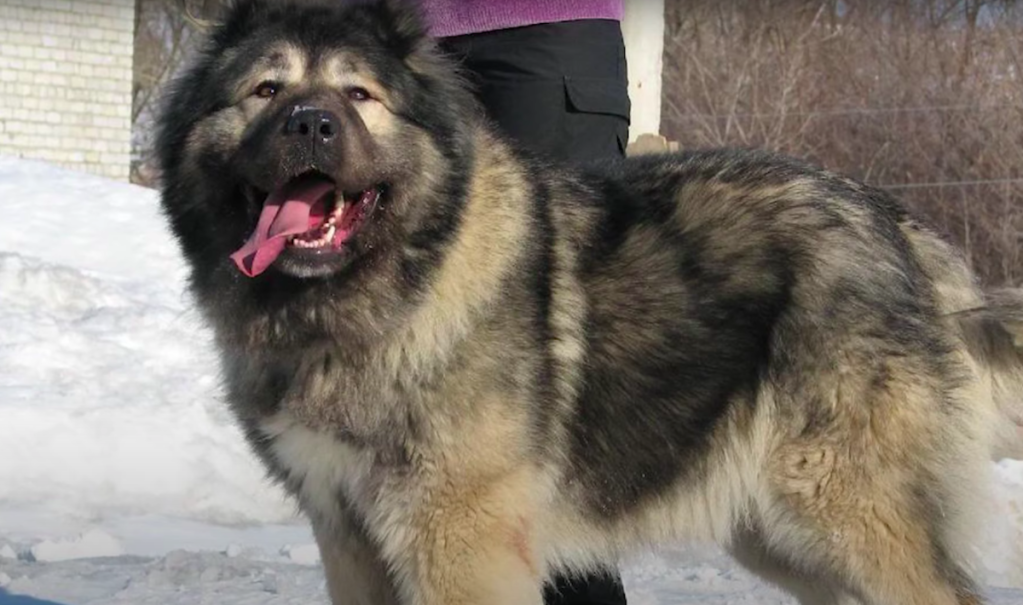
x=473, y=368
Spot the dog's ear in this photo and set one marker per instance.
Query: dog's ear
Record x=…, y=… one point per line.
x=406, y=24
x=239, y=10
x=235, y=17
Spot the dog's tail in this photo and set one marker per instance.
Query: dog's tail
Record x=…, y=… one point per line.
x=990, y=325
x=993, y=334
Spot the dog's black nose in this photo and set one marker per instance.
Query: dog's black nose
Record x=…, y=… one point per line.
x=312, y=122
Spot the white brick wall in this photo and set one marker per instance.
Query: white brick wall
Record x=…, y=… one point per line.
x=65, y=82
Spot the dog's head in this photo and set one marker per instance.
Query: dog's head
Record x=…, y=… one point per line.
x=314, y=144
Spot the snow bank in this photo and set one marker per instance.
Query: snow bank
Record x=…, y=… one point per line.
x=109, y=393
x=1002, y=549
x=86, y=222
x=93, y=543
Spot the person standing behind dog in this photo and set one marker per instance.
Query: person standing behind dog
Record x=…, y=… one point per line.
x=552, y=75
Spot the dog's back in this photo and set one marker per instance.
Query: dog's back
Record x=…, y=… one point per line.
x=886, y=382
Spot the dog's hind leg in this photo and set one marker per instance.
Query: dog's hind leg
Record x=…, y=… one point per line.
x=871, y=523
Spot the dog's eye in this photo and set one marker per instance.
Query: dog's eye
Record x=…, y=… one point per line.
x=266, y=90
x=358, y=94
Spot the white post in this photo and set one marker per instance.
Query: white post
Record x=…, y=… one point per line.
x=643, y=29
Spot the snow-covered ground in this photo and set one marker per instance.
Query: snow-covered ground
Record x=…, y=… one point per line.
x=122, y=478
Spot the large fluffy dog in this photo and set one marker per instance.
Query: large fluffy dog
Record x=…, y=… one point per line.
x=471, y=368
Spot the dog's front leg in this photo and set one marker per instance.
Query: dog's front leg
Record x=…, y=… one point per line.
x=472, y=543
x=355, y=572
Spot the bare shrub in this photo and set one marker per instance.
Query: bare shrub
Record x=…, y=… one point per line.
x=164, y=31
x=921, y=96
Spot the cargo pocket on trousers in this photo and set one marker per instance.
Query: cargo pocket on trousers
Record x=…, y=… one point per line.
x=598, y=110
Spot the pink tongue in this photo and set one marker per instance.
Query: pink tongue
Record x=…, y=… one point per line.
x=287, y=211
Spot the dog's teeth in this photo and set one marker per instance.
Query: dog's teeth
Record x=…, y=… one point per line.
x=330, y=234
x=339, y=211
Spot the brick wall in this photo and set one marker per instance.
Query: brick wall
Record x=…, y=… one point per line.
x=65, y=82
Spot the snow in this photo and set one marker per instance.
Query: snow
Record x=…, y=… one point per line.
x=93, y=543
x=122, y=477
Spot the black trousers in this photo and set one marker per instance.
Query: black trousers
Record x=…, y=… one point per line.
x=559, y=90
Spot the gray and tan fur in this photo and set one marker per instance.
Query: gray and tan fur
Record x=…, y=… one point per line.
x=514, y=369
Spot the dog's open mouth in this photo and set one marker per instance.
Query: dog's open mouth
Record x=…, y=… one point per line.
x=309, y=216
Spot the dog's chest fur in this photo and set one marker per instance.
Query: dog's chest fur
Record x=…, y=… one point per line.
x=321, y=470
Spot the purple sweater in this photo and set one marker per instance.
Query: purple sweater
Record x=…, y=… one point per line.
x=457, y=17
